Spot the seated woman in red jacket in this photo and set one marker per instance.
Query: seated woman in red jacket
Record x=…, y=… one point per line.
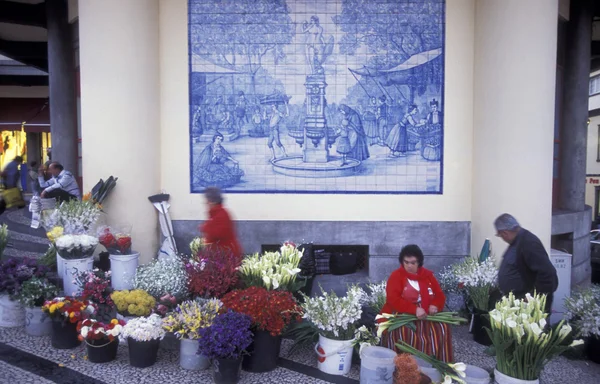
x=218, y=230
x=415, y=290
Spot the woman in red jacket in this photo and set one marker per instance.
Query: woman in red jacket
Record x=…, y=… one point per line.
x=218, y=229
x=415, y=290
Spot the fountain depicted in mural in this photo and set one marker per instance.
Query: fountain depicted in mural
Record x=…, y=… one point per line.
x=304, y=96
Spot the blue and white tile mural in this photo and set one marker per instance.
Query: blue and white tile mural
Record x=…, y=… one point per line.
x=317, y=96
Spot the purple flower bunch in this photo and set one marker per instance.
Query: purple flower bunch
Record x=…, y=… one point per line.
x=227, y=338
x=14, y=272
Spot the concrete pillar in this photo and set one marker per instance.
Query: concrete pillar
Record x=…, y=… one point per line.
x=61, y=70
x=574, y=129
x=515, y=66
x=120, y=116
x=34, y=152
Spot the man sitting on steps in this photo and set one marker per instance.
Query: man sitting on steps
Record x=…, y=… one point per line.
x=61, y=186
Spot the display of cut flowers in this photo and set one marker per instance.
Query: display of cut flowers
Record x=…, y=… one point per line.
x=116, y=241
x=136, y=302
x=394, y=321
x=273, y=270
x=68, y=309
x=74, y=216
x=95, y=286
x=364, y=337
x=270, y=311
x=450, y=372
x=144, y=328
x=55, y=233
x=335, y=317
x=97, y=333
x=478, y=279
x=583, y=310
x=213, y=272
x=165, y=304
x=190, y=317
x=521, y=339
x=76, y=246
x=228, y=337
x=163, y=276
x=196, y=245
x=35, y=291
x=14, y=272
x=375, y=296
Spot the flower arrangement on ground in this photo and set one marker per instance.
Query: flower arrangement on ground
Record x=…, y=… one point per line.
x=35, y=291
x=397, y=320
x=335, y=317
x=97, y=333
x=14, y=272
x=522, y=341
x=144, y=328
x=163, y=276
x=76, y=246
x=136, y=302
x=95, y=286
x=197, y=244
x=74, y=216
x=116, y=242
x=478, y=279
x=364, y=337
x=583, y=311
x=227, y=337
x=270, y=311
x=273, y=270
x=213, y=272
x=190, y=317
x=450, y=372
x=68, y=309
x=376, y=296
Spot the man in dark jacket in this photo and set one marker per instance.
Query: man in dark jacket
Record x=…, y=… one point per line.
x=525, y=266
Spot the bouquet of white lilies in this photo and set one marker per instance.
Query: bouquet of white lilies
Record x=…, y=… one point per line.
x=273, y=270
x=522, y=343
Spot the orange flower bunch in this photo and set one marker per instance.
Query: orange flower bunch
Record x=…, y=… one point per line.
x=407, y=370
x=68, y=308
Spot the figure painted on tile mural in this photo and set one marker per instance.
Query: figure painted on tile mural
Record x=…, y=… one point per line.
x=240, y=111
x=397, y=139
x=370, y=122
x=214, y=153
x=356, y=134
x=316, y=50
x=382, y=119
x=225, y=123
x=274, y=120
x=435, y=117
x=216, y=166
x=257, y=124
x=343, y=146
x=197, y=124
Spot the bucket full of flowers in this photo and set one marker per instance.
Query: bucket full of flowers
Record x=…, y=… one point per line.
x=273, y=270
x=75, y=253
x=163, y=276
x=213, y=272
x=102, y=340
x=123, y=260
x=143, y=336
x=185, y=322
x=135, y=303
x=583, y=312
x=34, y=292
x=65, y=313
x=271, y=312
x=522, y=340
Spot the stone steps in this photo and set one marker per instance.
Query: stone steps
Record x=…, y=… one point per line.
x=23, y=241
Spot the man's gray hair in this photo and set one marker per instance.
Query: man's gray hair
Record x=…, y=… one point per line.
x=506, y=222
x=213, y=194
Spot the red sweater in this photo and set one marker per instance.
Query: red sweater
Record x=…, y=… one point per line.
x=396, y=303
x=220, y=230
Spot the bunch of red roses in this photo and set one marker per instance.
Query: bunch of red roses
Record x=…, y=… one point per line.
x=116, y=243
x=213, y=272
x=270, y=311
x=95, y=286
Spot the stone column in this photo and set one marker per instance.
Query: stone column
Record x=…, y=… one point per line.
x=514, y=87
x=574, y=129
x=120, y=110
x=61, y=70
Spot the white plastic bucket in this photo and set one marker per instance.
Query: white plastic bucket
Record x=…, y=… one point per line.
x=501, y=378
x=37, y=323
x=188, y=357
x=377, y=365
x=122, y=270
x=476, y=375
x=60, y=266
x=432, y=373
x=72, y=268
x=12, y=313
x=335, y=356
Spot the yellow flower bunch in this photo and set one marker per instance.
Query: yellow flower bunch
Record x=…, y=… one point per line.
x=136, y=302
x=190, y=317
x=55, y=233
x=53, y=307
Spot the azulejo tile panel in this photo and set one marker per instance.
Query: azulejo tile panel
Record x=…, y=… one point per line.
x=317, y=96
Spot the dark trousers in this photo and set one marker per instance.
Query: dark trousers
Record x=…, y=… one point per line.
x=60, y=195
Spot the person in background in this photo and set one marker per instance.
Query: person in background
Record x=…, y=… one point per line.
x=11, y=175
x=218, y=230
x=32, y=178
x=415, y=290
x=526, y=266
x=62, y=185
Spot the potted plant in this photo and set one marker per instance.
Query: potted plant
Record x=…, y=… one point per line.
x=185, y=322
x=583, y=312
x=95, y=286
x=225, y=342
x=34, y=292
x=273, y=270
x=13, y=273
x=479, y=281
x=163, y=276
x=213, y=272
x=102, y=340
x=133, y=303
x=123, y=261
x=522, y=341
x=76, y=255
x=65, y=313
x=143, y=336
x=336, y=319
x=271, y=312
